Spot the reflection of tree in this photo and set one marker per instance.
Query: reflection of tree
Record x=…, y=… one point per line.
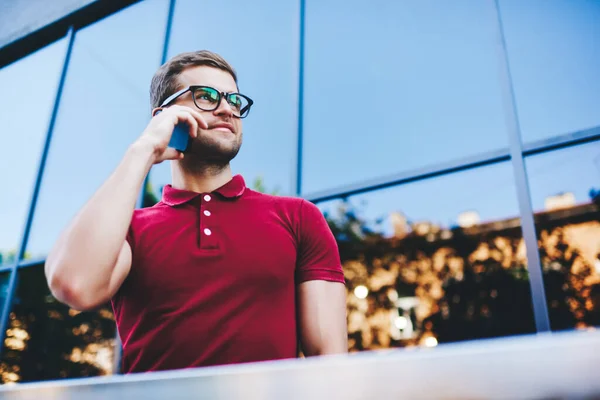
x=259, y=186
x=46, y=339
x=149, y=197
x=426, y=282
x=8, y=257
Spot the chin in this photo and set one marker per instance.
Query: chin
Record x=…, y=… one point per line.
x=218, y=152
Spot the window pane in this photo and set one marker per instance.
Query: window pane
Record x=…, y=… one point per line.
x=4, y=277
x=565, y=191
x=437, y=61
x=434, y=261
x=105, y=106
x=45, y=339
x=267, y=69
x=554, y=59
x=29, y=91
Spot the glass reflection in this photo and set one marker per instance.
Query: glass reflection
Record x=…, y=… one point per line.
x=103, y=109
x=45, y=339
x=554, y=59
x=435, y=261
x=22, y=137
x=399, y=86
x=565, y=192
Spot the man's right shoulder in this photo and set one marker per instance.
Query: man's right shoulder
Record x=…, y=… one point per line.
x=140, y=214
x=145, y=217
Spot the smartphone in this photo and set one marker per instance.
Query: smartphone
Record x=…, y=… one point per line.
x=180, y=139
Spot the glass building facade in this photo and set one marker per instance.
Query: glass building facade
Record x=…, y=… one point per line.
x=466, y=208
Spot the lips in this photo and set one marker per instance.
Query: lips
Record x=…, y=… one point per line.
x=223, y=126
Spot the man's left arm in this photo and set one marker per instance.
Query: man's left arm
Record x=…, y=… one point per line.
x=321, y=290
x=322, y=317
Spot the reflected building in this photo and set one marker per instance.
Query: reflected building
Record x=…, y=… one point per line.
x=46, y=339
x=472, y=284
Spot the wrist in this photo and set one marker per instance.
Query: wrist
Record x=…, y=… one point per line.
x=143, y=152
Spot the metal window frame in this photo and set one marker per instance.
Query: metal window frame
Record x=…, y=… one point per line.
x=534, y=266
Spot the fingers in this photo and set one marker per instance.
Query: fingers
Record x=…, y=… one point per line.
x=171, y=154
x=198, y=117
x=195, y=115
x=191, y=122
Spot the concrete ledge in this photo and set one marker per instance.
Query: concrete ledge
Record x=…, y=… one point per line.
x=559, y=365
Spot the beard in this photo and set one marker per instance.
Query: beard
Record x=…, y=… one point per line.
x=209, y=152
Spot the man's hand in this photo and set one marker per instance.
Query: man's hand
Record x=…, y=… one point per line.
x=157, y=134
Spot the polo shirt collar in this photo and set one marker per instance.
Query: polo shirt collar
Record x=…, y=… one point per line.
x=231, y=190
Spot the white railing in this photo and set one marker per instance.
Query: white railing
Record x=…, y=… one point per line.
x=558, y=365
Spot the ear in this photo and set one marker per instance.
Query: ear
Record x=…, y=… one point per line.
x=156, y=110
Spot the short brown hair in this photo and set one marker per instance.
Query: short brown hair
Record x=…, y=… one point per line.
x=165, y=81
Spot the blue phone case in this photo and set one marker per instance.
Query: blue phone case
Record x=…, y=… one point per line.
x=180, y=138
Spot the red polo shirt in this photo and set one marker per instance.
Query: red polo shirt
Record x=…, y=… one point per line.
x=213, y=277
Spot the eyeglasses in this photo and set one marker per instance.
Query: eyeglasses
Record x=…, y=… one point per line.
x=207, y=98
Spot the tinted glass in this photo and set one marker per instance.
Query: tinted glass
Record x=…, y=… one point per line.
x=46, y=340
x=395, y=86
x=554, y=58
x=267, y=69
x=26, y=104
x=104, y=108
x=435, y=261
x=565, y=191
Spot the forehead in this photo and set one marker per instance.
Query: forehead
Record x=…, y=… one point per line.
x=208, y=76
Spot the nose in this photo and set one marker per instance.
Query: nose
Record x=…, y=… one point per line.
x=224, y=108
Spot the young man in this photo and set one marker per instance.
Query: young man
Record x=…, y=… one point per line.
x=215, y=273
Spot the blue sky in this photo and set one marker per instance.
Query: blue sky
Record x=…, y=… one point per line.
x=425, y=81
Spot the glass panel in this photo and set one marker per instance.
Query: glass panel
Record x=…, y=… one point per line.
x=24, y=83
x=104, y=108
x=267, y=159
x=435, y=61
x=45, y=339
x=565, y=191
x=4, y=277
x=554, y=59
x=434, y=261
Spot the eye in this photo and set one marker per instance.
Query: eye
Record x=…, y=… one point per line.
x=207, y=95
x=236, y=101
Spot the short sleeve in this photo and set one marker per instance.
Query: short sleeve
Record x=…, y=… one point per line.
x=318, y=254
x=130, y=237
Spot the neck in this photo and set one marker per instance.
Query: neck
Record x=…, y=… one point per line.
x=201, y=178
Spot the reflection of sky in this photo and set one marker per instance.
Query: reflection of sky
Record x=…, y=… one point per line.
x=490, y=191
x=425, y=81
x=442, y=72
x=103, y=109
x=575, y=170
x=554, y=52
x=23, y=126
x=441, y=200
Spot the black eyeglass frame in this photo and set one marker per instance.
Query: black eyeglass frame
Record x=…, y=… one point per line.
x=243, y=112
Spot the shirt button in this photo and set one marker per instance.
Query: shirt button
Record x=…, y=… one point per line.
x=206, y=197
x=207, y=213
x=207, y=232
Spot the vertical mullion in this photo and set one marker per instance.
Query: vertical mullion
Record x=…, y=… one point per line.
x=536, y=279
x=299, y=146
